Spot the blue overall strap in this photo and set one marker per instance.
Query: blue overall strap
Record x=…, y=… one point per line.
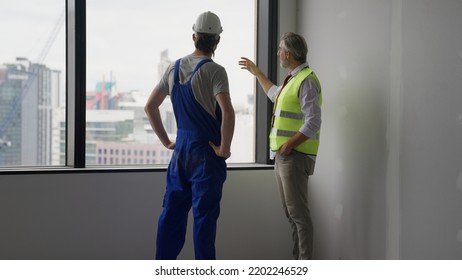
x=202, y=62
x=176, y=73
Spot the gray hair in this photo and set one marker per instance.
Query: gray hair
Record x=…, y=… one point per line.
x=296, y=45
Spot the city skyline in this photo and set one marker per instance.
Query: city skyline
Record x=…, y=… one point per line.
x=114, y=124
x=146, y=31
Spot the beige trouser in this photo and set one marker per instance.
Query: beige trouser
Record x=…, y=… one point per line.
x=292, y=174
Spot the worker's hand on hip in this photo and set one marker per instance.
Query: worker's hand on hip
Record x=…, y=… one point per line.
x=219, y=152
x=170, y=145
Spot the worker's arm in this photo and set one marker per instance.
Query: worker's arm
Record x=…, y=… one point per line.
x=152, y=111
x=293, y=142
x=247, y=64
x=227, y=125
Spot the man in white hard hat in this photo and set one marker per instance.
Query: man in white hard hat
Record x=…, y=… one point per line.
x=199, y=91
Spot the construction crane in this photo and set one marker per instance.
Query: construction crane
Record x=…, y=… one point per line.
x=100, y=95
x=6, y=122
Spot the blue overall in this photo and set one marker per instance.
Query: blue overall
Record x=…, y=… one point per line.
x=195, y=176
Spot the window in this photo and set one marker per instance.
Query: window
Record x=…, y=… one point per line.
x=69, y=92
x=129, y=50
x=32, y=75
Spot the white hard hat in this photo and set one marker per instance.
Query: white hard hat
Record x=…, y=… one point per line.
x=209, y=23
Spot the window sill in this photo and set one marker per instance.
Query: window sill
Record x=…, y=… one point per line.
x=116, y=169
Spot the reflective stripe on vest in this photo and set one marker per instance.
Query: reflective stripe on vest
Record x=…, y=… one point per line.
x=288, y=133
x=288, y=116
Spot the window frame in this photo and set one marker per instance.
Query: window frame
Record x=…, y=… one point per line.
x=75, y=83
x=75, y=80
x=267, y=61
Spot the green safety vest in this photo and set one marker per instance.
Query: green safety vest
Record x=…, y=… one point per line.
x=288, y=117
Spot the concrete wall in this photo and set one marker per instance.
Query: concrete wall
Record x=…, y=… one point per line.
x=389, y=181
x=114, y=216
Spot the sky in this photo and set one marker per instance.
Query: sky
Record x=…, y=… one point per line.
x=125, y=38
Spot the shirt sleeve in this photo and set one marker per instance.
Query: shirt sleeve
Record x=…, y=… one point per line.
x=311, y=109
x=220, y=81
x=272, y=92
x=166, y=82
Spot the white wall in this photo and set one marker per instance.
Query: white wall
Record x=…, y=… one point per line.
x=431, y=161
x=388, y=182
x=114, y=216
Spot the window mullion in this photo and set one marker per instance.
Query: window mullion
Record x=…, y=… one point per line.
x=267, y=30
x=76, y=82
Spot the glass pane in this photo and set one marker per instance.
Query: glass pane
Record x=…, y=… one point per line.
x=129, y=46
x=32, y=87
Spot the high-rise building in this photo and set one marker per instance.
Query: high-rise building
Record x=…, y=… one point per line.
x=104, y=126
x=163, y=64
x=29, y=95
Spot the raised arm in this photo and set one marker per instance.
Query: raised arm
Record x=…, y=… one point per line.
x=248, y=65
